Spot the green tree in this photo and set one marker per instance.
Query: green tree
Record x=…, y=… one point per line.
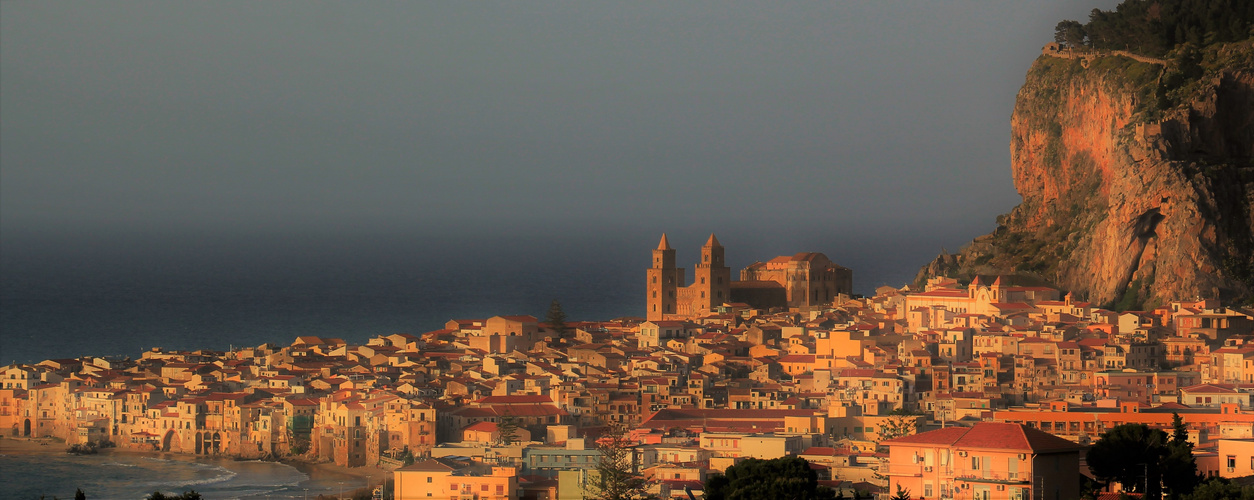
x=615, y=477
x=556, y=318
x=788, y=478
x=900, y=423
x=1069, y=33
x=1179, y=467
x=1219, y=488
x=902, y=494
x=507, y=429
x=1131, y=454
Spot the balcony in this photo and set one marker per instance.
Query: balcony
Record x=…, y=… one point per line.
x=916, y=470
x=996, y=477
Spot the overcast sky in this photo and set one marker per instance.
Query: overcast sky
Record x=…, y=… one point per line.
x=871, y=119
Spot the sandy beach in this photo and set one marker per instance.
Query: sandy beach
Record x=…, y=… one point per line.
x=330, y=471
x=321, y=475
x=26, y=446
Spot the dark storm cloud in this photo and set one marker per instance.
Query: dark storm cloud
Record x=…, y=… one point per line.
x=523, y=114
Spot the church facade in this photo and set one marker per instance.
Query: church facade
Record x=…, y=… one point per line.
x=799, y=281
x=668, y=297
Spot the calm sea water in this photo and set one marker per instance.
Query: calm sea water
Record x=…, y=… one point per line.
x=110, y=298
x=120, y=294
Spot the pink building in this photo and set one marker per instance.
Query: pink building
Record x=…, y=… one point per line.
x=984, y=462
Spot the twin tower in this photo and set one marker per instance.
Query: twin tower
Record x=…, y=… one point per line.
x=710, y=288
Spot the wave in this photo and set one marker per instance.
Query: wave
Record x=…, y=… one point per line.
x=213, y=480
x=118, y=464
x=221, y=478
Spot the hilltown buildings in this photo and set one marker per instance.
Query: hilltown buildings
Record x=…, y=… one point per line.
x=706, y=385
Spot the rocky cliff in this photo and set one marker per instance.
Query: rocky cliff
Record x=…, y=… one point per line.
x=1137, y=179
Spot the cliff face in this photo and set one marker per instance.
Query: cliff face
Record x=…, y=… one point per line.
x=1136, y=179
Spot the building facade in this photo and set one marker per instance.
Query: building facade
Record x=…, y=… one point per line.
x=669, y=298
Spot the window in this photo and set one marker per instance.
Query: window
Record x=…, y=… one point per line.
x=429, y=479
x=975, y=463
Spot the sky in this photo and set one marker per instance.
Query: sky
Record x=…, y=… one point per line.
x=876, y=132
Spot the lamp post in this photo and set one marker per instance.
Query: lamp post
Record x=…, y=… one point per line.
x=341, y=490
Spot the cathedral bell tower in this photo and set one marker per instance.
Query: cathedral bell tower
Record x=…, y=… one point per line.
x=712, y=277
x=664, y=280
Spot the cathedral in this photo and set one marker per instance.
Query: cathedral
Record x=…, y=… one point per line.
x=799, y=281
x=711, y=286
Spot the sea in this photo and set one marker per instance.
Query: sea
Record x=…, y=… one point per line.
x=129, y=476
x=110, y=294
x=114, y=296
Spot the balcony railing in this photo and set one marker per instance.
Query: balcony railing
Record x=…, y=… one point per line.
x=914, y=469
x=973, y=476
x=994, y=476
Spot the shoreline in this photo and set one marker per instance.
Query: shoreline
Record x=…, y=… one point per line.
x=316, y=472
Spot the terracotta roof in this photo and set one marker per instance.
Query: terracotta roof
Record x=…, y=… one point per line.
x=943, y=292
x=1208, y=389
x=482, y=427
x=991, y=436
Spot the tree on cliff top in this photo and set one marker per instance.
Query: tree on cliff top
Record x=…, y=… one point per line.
x=1070, y=34
x=1155, y=27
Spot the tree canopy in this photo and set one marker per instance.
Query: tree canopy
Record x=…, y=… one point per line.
x=1219, y=488
x=1180, y=475
x=507, y=429
x=556, y=319
x=788, y=478
x=614, y=477
x=1130, y=454
x=1144, y=460
x=1155, y=27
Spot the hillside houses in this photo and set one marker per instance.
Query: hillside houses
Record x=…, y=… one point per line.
x=699, y=393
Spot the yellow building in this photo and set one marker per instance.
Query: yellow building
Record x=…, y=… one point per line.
x=445, y=478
